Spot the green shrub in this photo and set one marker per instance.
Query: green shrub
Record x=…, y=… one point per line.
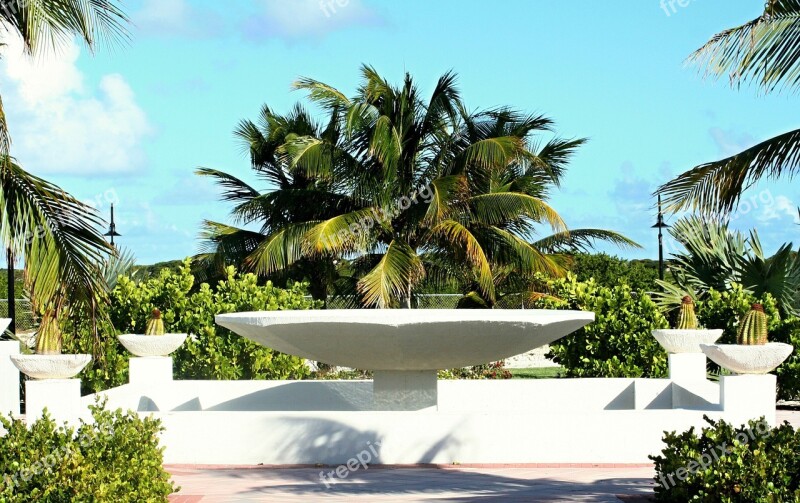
x=114, y=458
x=211, y=352
x=618, y=343
x=788, y=373
x=753, y=463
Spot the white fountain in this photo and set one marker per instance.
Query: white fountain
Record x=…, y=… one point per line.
x=405, y=348
x=405, y=414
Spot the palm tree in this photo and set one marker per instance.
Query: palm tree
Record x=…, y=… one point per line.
x=40, y=222
x=403, y=190
x=716, y=257
x=281, y=214
x=57, y=236
x=763, y=52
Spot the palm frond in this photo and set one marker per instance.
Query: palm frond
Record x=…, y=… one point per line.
x=582, y=240
x=47, y=24
x=398, y=271
x=342, y=233
x=764, y=51
x=279, y=250
x=318, y=92
x=716, y=187
x=502, y=207
x=461, y=239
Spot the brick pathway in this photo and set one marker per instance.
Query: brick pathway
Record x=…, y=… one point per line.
x=483, y=485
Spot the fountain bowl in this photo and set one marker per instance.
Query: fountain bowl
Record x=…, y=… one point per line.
x=404, y=339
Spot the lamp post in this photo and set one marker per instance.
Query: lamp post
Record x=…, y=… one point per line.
x=112, y=227
x=660, y=225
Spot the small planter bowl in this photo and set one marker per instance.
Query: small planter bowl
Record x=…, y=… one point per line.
x=151, y=345
x=686, y=341
x=742, y=359
x=50, y=366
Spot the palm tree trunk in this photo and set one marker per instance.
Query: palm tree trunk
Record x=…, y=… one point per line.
x=12, y=304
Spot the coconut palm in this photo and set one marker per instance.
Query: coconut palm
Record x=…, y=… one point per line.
x=56, y=235
x=41, y=223
x=764, y=52
x=405, y=189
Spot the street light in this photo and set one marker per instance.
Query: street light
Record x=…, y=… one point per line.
x=660, y=225
x=112, y=227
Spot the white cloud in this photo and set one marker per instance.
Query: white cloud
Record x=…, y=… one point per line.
x=176, y=17
x=303, y=19
x=59, y=125
x=731, y=142
x=777, y=208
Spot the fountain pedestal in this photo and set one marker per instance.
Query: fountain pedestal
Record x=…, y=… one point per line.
x=687, y=367
x=150, y=369
x=61, y=397
x=745, y=397
x=411, y=390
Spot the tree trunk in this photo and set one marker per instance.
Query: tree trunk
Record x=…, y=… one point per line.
x=12, y=304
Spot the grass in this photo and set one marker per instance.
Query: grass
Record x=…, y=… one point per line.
x=536, y=373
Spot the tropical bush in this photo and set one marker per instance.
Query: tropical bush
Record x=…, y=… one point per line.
x=726, y=464
x=606, y=270
x=211, y=352
x=114, y=458
x=618, y=343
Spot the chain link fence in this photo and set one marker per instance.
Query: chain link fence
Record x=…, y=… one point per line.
x=24, y=314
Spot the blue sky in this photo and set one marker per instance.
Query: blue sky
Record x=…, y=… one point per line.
x=131, y=125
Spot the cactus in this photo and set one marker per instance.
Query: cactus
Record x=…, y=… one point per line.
x=686, y=317
x=155, y=325
x=753, y=327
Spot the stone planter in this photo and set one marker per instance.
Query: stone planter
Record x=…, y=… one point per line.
x=152, y=345
x=50, y=366
x=686, y=341
x=742, y=359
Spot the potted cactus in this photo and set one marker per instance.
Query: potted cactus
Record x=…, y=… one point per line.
x=48, y=362
x=155, y=341
x=753, y=353
x=687, y=336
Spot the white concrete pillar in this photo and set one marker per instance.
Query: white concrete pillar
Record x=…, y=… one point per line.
x=150, y=369
x=687, y=367
x=9, y=379
x=61, y=397
x=405, y=390
x=745, y=397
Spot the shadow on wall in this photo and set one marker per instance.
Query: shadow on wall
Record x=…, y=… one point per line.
x=332, y=442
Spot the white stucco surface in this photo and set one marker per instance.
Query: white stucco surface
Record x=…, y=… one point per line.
x=686, y=341
x=51, y=366
x=743, y=359
x=401, y=339
x=151, y=345
x=487, y=421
